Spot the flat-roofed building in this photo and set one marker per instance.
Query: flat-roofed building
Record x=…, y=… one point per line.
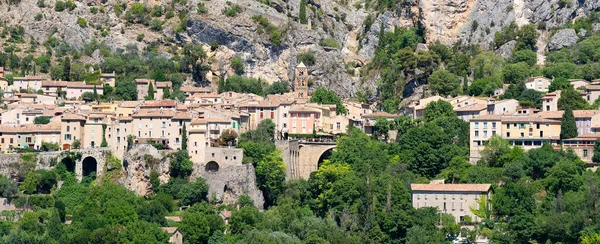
x=454, y=199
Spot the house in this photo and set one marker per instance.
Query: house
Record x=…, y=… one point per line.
x=176, y=219
x=591, y=93
x=416, y=109
x=454, y=199
x=507, y=106
x=77, y=88
x=538, y=83
x=176, y=235
x=584, y=119
x=160, y=89
x=1, y=71
x=3, y=83
x=582, y=145
x=371, y=119
x=225, y=215
x=191, y=90
x=550, y=101
x=142, y=87
x=32, y=83
x=577, y=83
x=524, y=130
x=108, y=78
x=54, y=88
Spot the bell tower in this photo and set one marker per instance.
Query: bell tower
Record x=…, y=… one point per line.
x=301, y=81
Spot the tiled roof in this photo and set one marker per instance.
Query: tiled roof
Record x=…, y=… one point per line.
x=30, y=128
x=304, y=108
x=71, y=116
x=159, y=104
x=163, y=84
x=169, y=230
x=380, y=114
x=143, y=81
x=130, y=104
x=472, y=107
x=79, y=84
x=27, y=77
x=592, y=87
x=125, y=118
x=487, y=117
x=576, y=113
x=160, y=113
x=174, y=218
x=193, y=89
x=182, y=115
x=26, y=95
x=586, y=136
x=54, y=83
x=451, y=187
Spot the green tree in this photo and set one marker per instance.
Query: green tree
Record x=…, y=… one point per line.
x=87, y=96
x=8, y=187
x=324, y=96
x=568, y=127
x=515, y=73
x=444, y=83
x=527, y=37
x=270, y=176
x=150, y=95
x=184, y=138
x=126, y=89
x=142, y=232
x=41, y=120
x=596, y=157
x=560, y=84
x=166, y=93
x=497, y=152
x=571, y=99
x=565, y=176
x=308, y=58
x=76, y=144
x=278, y=87
x=438, y=109
x=527, y=56
x=243, y=219
x=302, y=13
x=67, y=69
x=237, y=64
x=194, y=192
x=181, y=165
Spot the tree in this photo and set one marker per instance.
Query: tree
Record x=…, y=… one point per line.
x=438, y=109
x=444, y=83
x=95, y=93
x=381, y=127
x=560, y=84
x=527, y=37
x=195, y=227
x=596, y=157
x=243, y=219
x=515, y=73
x=166, y=93
x=302, y=13
x=571, y=99
x=67, y=69
x=8, y=187
x=568, y=127
x=126, y=89
x=308, y=58
x=228, y=137
x=181, y=165
x=142, y=232
x=527, y=56
x=270, y=176
x=104, y=143
x=496, y=153
x=76, y=144
x=237, y=65
x=278, y=87
x=194, y=192
x=41, y=120
x=150, y=95
x=324, y=96
x=87, y=96
x=184, y=139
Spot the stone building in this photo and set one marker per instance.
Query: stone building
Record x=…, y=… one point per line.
x=176, y=235
x=455, y=199
x=301, y=81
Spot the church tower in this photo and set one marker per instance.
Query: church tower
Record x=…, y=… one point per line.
x=301, y=81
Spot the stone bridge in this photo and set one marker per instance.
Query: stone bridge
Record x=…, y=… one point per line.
x=302, y=158
x=81, y=161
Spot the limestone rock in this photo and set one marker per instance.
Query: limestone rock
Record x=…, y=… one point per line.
x=564, y=38
x=595, y=27
x=136, y=170
x=506, y=50
x=582, y=32
x=421, y=47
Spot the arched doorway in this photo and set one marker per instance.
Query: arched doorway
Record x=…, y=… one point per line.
x=69, y=164
x=66, y=146
x=90, y=167
x=324, y=156
x=212, y=166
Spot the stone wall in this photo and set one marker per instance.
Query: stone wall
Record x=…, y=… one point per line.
x=290, y=153
x=229, y=183
x=136, y=171
x=301, y=159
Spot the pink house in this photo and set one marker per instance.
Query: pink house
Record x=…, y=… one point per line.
x=303, y=119
x=76, y=88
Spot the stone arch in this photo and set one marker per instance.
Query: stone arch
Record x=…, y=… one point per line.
x=324, y=156
x=211, y=166
x=69, y=163
x=309, y=156
x=89, y=165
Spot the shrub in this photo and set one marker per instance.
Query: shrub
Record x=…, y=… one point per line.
x=41, y=3
x=202, y=9
x=264, y=24
x=82, y=22
x=329, y=42
x=237, y=65
x=93, y=10
x=59, y=6
x=307, y=58
x=232, y=11
x=39, y=16
x=156, y=25
x=70, y=4
x=140, y=37
x=119, y=8
x=157, y=11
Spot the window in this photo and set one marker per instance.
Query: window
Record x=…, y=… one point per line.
x=149, y=133
x=507, y=134
x=537, y=126
x=493, y=125
x=195, y=144
x=2, y=141
x=585, y=153
x=476, y=125
x=118, y=140
x=285, y=115
x=261, y=115
x=272, y=115
x=11, y=140
x=493, y=133
x=507, y=126
x=522, y=134
x=476, y=133
x=338, y=125
x=164, y=125
x=485, y=134
x=522, y=126
x=303, y=124
x=68, y=128
x=485, y=125
x=541, y=134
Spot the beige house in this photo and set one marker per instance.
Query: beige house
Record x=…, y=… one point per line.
x=176, y=235
x=507, y=106
x=52, y=88
x=142, y=87
x=591, y=93
x=108, y=78
x=28, y=136
x=71, y=130
x=76, y=88
x=370, y=120
x=191, y=90
x=538, y=83
x=32, y=83
x=417, y=109
x=550, y=101
x=159, y=90
x=3, y=84
x=454, y=199
x=578, y=83
x=583, y=146
x=337, y=125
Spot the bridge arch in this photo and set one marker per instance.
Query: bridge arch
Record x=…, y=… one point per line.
x=211, y=166
x=310, y=157
x=89, y=166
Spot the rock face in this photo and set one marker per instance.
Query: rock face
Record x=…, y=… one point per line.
x=506, y=50
x=564, y=38
x=138, y=162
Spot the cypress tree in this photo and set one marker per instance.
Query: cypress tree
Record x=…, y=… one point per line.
x=596, y=157
x=466, y=86
x=302, y=14
x=568, y=128
x=150, y=95
x=95, y=93
x=166, y=93
x=67, y=69
x=183, y=138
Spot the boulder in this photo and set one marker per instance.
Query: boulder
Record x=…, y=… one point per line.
x=595, y=27
x=564, y=38
x=506, y=50
x=421, y=47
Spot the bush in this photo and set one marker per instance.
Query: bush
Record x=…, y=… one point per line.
x=264, y=24
x=232, y=11
x=308, y=58
x=39, y=16
x=202, y=9
x=329, y=42
x=140, y=37
x=169, y=14
x=93, y=10
x=70, y=5
x=157, y=11
x=156, y=25
x=59, y=6
x=238, y=65
x=82, y=22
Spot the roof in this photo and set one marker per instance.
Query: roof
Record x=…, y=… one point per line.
x=26, y=95
x=170, y=230
x=304, y=108
x=182, y=115
x=193, y=89
x=592, y=87
x=586, y=136
x=31, y=128
x=226, y=214
x=129, y=104
x=161, y=113
x=54, y=83
x=72, y=116
x=576, y=114
x=143, y=81
x=380, y=114
x=79, y=84
x=160, y=104
x=472, y=107
x=174, y=218
x=163, y=84
x=27, y=77
x=552, y=94
x=451, y=187
x=301, y=65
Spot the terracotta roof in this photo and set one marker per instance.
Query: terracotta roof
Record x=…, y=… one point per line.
x=576, y=113
x=198, y=122
x=26, y=95
x=451, y=187
x=488, y=117
x=125, y=118
x=79, y=84
x=592, y=87
x=174, y=218
x=182, y=115
x=193, y=89
x=207, y=95
x=159, y=104
x=27, y=77
x=14, y=99
x=304, y=108
x=586, y=136
x=472, y=107
x=71, y=116
x=162, y=113
x=552, y=94
x=2, y=69
x=380, y=114
x=130, y=104
x=182, y=108
x=163, y=84
x=54, y=83
x=197, y=131
x=225, y=214
x=170, y=230
x=103, y=75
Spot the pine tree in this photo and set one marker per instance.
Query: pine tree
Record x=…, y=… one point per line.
x=150, y=95
x=67, y=69
x=466, y=86
x=183, y=138
x=302, y=14
x=596, y=157
x=568, y=128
